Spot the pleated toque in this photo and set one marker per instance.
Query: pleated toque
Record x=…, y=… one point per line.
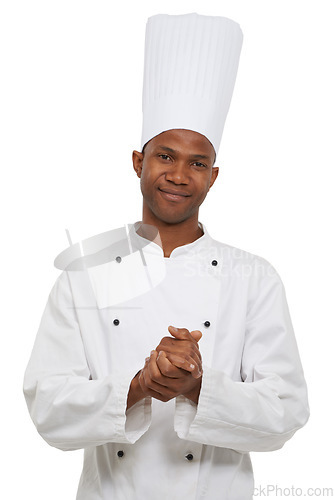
x=190, y=68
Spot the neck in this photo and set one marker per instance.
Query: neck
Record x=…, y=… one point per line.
x=175, y=235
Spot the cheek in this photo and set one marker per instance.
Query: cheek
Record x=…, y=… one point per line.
x=146, y=183
x=143, y=177
x=203, y=186
x=143, y=188
x=149, y=177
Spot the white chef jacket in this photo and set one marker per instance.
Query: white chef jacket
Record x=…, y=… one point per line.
x=89, y=347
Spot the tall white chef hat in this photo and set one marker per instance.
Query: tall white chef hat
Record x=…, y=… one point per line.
x=191, y=64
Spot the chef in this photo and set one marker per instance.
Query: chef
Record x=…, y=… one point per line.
x=166, y=355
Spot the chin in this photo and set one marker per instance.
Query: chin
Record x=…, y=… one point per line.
x=173, y=218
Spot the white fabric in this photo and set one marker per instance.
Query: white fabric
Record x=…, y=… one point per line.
x=253, y=395
x=190, y=69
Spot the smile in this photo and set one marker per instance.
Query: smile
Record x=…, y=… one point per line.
x=173, y=196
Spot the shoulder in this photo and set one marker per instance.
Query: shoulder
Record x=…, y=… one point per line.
x=235, y=256
x=253, y=277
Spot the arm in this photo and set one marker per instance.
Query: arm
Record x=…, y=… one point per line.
x=264, y=410
x=69, y=409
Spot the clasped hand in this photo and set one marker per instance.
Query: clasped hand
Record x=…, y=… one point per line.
x=174, y=368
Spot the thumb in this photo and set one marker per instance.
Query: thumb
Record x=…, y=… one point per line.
x=179, y=333
x=196, y=335
x=183, y=333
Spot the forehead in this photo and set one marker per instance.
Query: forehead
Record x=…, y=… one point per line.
x=186, y=141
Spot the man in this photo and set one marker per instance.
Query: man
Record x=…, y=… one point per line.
x=176, y=173
x=167, y=355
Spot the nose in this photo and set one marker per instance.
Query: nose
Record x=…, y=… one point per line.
x=177, y=173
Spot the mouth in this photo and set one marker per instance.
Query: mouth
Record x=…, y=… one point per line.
x=173, y=194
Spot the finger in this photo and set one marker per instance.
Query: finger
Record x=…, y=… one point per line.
x=189, y=361
x=168, y=368
x=179, y=333
x=154, y=379
x=182, y=348
x=169, y=344
x=152, y=368
x=151, y=388
x=186, y=364
x=157, y=395
x=196, y=334
x=184, y=334
x=148, y=392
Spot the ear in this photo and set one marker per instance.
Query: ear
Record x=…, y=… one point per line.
x=214, y=175
x=137, y=161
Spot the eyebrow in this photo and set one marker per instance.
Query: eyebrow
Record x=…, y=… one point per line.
x=173, y=151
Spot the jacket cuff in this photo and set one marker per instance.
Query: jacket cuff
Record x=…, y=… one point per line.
x=138, y=419
x=135, y=421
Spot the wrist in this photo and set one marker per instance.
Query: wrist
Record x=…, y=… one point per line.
x=194, y=393
x=135, y=393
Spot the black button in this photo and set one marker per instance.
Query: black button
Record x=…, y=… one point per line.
x=207, y=323
x=118, y=259
x=120, y=453
x=214, y=262
x=190, y=456
x=116, y=322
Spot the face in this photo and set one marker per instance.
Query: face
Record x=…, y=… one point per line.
x=176, y=172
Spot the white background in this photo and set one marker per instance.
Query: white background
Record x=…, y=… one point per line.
x=71, y=81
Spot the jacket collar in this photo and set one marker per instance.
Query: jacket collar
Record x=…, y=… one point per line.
x=196, y=248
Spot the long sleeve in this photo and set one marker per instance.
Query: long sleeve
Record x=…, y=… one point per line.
x=263, y=410
x=68, y=408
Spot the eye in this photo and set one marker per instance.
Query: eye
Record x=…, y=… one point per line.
x=164, y=157
x=199, y=164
